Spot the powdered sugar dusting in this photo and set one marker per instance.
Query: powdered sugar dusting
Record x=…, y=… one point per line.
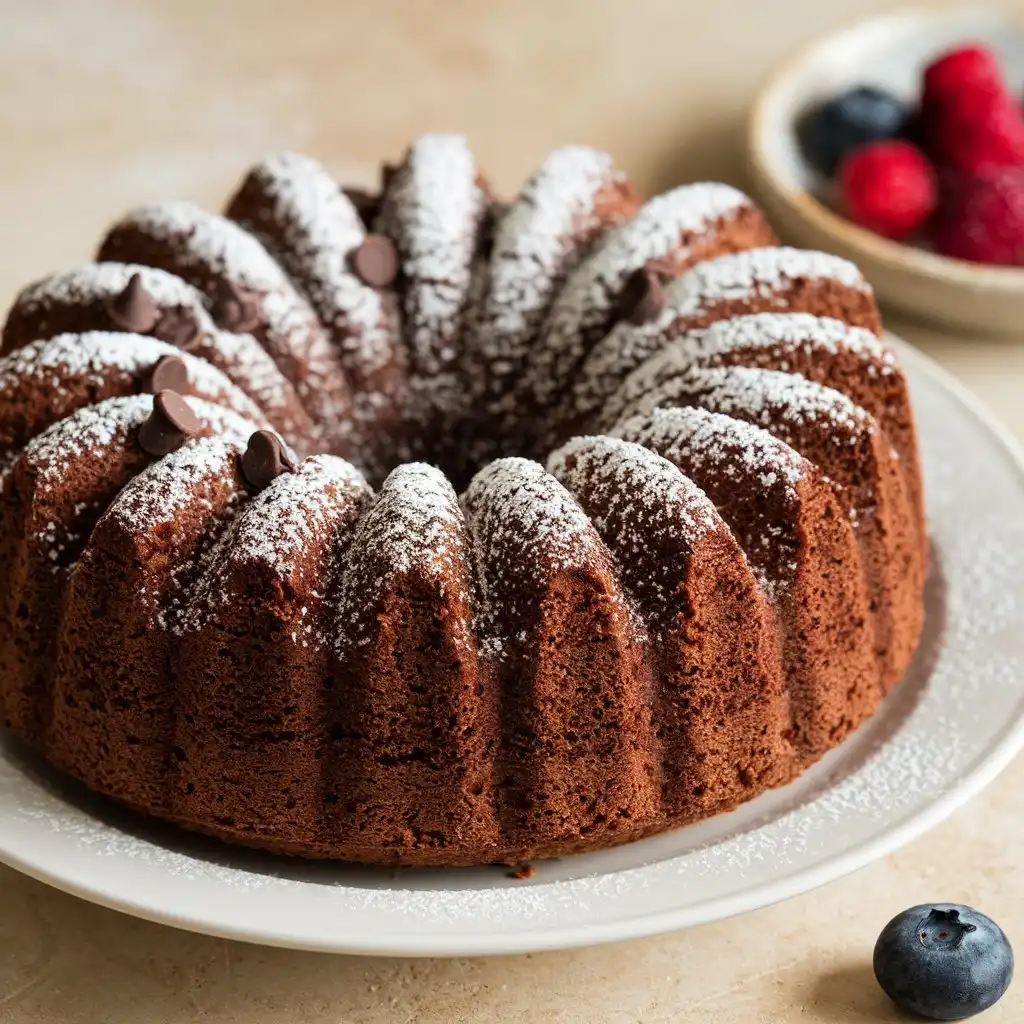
x=716, y=440
x=316, y=231
x=666, y=225
x=87, y=433
x=784, y=335
x=248, y=364
x=519, y=496
x=766, y=396
x=239, y=356
x=93, y=282
x=526, y=527
x=414, y=527
x=538, y=241
x=754, y=273
x=162, y=490
x=788, y=332
x=293, y=529
x=97, y=356
x=293, y=335
x=619, y=474
x=432, y=211
x=296, y=507
x=640, y=504
x=763, y=397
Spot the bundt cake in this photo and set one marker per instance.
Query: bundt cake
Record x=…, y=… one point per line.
x=424, y=528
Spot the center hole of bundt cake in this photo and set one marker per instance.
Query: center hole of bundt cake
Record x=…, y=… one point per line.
x=461, y=451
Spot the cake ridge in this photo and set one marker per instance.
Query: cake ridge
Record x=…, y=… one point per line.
x=89, y=354
x=753, y=271
x=534, y=248
x=432, y=209
x=86, y=431
x=319, y=230
x=218, y=252
x=662, y=227
x=413, y=525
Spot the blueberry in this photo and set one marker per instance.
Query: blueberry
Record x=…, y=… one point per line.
x=855, y=118
x=943, y=961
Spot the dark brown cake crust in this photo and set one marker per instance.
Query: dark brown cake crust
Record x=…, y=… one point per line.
x=233, y=602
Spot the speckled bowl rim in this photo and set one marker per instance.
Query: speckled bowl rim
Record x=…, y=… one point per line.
x=954, y=724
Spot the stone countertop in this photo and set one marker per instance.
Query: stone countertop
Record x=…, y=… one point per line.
x=113, y=102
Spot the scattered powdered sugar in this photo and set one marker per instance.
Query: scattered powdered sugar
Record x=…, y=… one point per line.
x=766, y=396
x=610, y=377
x=88, y=433
x=538, y=241
x=240, y=356
x=316, y=229
x=525, y=527
x=164, y=489
x=247, y=363
x=93, y=282
x=787, y=332
x=414, y=527
x=97, y=356
x=282, y=528
x=281, y=520
x=221, y=247
x=432, y=211
x=666, y=225
x=710, y=443
x=620, y=475
x=640, y=504
x=751, y=274
x=522, y=506
x=716, y=440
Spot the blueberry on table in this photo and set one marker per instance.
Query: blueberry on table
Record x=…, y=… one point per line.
x=846, y=122
x=943, y=961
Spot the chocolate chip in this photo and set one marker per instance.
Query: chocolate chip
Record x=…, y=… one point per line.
x=235, y=308
x=179, y=327
x=642, y=298
x=375, y=262
x=366, y=203
x=169, y=374
x=265, y=459
x=170, y=423
x=133, y=309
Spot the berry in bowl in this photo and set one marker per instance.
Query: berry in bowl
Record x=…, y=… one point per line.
x=899, y=144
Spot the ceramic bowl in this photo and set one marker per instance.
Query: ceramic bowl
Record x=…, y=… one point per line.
x=891, y=52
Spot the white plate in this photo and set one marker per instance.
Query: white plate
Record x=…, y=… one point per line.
x=892, y=52
x=954, y=723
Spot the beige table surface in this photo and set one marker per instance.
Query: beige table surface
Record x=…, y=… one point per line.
x=107, y=102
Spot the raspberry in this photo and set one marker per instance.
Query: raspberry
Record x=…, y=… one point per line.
x=984, y=219
x=969, y=118
x=889, y=187
x=965, y=68
x=975, y=129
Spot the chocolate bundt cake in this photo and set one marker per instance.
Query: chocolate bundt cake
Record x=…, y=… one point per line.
x=424, y=528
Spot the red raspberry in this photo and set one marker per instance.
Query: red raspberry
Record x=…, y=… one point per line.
x=984, y=220
x=975, y=129
x=967, y=67
x=889, y=187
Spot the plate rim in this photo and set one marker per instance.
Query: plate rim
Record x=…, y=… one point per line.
x=547, y=937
